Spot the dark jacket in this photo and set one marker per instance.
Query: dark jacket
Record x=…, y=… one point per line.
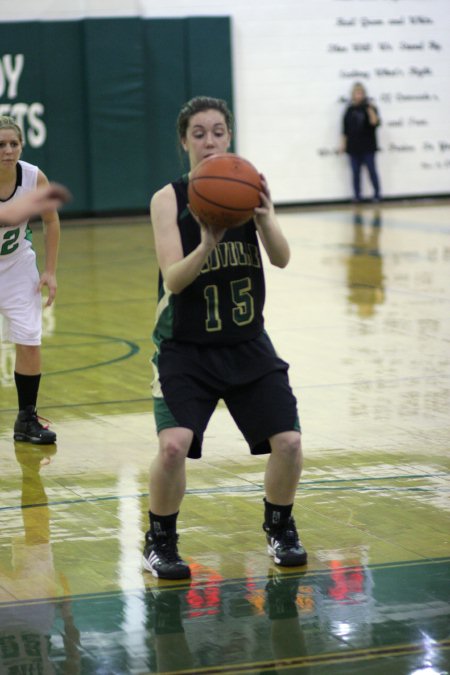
x=360, y=134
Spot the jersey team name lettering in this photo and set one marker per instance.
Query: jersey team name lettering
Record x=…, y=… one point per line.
x=232, y=254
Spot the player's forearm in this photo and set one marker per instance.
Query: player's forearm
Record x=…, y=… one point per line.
x=183, y=272
x=275, y=245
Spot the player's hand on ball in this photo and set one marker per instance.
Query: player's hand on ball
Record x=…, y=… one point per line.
x=210, y=234
x=264, y=214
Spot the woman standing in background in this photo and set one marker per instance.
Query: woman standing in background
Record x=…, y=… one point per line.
x=359, y=141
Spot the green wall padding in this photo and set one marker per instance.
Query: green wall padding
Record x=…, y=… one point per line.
x=107, y=92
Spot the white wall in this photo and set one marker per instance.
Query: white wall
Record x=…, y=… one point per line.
x=294, y=64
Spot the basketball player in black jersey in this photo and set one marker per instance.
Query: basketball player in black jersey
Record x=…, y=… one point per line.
x=211, y=345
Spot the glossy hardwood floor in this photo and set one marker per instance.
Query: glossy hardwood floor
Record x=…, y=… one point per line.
x=362, y=313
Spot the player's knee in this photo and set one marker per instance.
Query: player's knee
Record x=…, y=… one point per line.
x=173, y=452
x=288, y=446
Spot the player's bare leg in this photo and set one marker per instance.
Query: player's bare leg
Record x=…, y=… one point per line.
x=27, y=427
x=284, y=468
x=167, y=487
x=283, y=472
x=168, y=471
x=28, y=359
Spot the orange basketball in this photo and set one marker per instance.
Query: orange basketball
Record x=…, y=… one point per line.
x=224, y=189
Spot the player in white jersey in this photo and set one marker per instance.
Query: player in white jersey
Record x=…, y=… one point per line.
x=20, y=282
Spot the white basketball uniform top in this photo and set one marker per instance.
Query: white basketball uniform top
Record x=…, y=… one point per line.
x=14, y=239
x=20, y=303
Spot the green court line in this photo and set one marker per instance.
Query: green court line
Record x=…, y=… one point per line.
x=350, y=656
x=86, y=404
x=367, y=478
x=184, y=585
x=133, y=349
x=304, y=486
x=90, y=404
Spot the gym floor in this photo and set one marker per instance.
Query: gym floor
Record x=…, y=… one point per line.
x=362, y=313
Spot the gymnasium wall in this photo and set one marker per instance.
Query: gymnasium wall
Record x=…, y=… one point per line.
x=293, y=64
x=98, y=98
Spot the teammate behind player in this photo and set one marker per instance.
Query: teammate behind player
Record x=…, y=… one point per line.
x=20, y=283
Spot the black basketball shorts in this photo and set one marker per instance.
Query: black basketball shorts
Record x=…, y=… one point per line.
x=249, y=377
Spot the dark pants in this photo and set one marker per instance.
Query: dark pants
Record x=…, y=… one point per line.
x=357, y=161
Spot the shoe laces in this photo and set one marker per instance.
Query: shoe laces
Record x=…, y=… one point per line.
x=44, y=419
x=288, y=539
x=167, y=544
x=288, y=536
x=37, y=419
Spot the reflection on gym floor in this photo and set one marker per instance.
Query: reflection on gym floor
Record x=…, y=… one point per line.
x=365, y=263
x=362, y=315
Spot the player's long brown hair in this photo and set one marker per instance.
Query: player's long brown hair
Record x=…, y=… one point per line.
x=200, y=104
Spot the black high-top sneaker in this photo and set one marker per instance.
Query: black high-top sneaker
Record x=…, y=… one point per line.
x=27, y=428
x=285, y=546
x=161, y=556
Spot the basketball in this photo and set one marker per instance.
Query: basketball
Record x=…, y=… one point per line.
x=224, y=190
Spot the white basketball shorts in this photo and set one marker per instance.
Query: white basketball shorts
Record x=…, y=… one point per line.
x=20, y=299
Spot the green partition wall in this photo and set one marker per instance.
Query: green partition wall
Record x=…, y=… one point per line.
x=98, y=99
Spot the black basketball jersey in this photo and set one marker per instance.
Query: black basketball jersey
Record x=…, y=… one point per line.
x=224, y=305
